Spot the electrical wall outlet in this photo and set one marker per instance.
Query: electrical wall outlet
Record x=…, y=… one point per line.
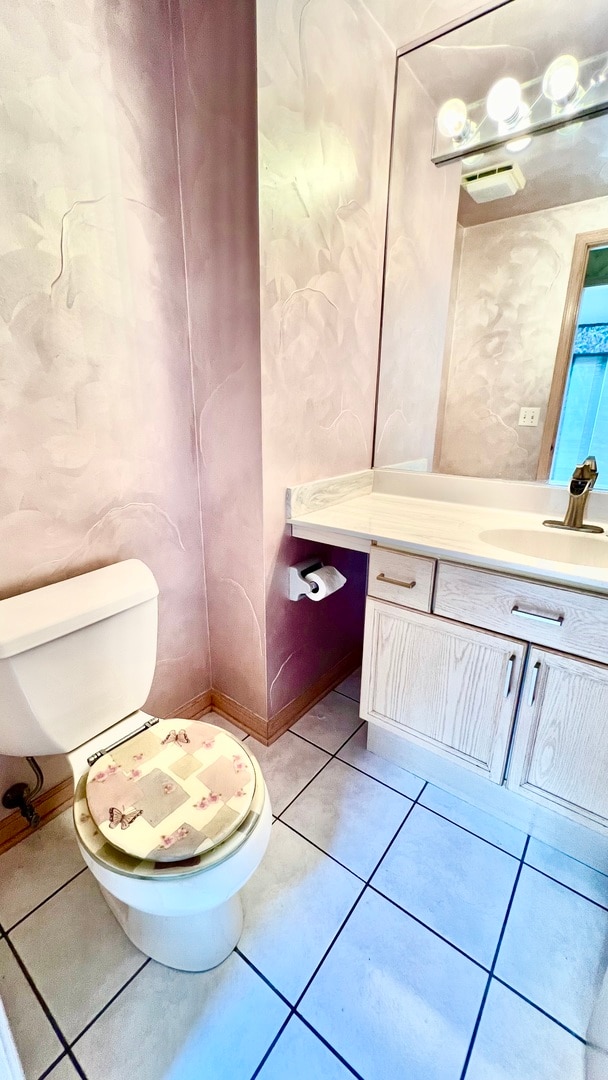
x=528, y=416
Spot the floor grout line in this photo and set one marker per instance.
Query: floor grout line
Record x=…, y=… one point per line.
x=494, y=961
x=332, y=753
x=430, y=929
x=46, y=899
x=470, y=832
x=274, y=1042
x=539, y=1009
x=37, y=994
x=321, y=1038
x=583, y=896
x=323, y=766
x=383, y=783
x=111, y=1000
x=322, y=850
x=263, y=977
x=348, y=697
x=350, y=912
x=56, y=1061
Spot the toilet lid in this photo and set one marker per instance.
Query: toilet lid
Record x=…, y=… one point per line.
x=110, y=858
x=171, y=792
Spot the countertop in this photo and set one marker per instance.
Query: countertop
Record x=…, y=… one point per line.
x=455, y=531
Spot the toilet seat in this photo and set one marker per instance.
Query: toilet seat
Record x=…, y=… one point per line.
x=107, y=855
x=171, y=792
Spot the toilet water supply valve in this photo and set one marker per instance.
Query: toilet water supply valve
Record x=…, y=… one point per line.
x=312, y=579
x=20, y=796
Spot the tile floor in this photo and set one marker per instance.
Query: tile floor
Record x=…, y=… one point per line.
x=392, y=931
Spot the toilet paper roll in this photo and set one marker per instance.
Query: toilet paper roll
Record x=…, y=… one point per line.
x=324, y=582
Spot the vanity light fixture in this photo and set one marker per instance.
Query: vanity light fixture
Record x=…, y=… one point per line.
x=570, y=90
x=504, y=104
x=453, y=121
x=560, y=81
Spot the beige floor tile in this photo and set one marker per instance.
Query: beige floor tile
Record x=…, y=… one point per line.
x=330, y=722
x=175, y=1025
x=348, y=815
x=476, y=821
x=294, y=904
x=516, y=1042
x=287, y=766
x=569, y=871
x=554, y=949
x=63, y=1071
x=33, y=869
x=36, y=1042
x=76, y=953
x=299, y=1055
x=351, y=685
x=356, y=753
x=452, y=881
x=393, y=999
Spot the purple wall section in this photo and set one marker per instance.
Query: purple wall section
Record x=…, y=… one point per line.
x=215, y=65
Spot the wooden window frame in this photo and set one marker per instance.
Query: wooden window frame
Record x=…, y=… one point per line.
x=583, y=244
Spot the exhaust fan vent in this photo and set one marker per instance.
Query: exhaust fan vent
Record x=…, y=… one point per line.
x=500, y=182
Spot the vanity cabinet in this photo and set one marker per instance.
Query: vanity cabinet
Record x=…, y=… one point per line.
x=488, y=677
x=560, y=749
x=451, y=687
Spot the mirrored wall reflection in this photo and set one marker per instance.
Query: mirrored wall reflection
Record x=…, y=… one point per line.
x=476, y=291
x=583, y=424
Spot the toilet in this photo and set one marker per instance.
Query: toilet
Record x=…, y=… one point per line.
x=172, y=817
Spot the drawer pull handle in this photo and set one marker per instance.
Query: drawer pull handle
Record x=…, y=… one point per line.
x=509, y=675
x=555, y=620
x=535, y=673
x=394, y=581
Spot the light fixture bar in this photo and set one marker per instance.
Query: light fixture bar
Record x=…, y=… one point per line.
x=485, y=123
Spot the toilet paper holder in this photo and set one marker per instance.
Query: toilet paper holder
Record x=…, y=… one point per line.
x=298, y=585
x=323, y=581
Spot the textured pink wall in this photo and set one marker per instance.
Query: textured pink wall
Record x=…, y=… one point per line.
x=215, y=64
x=407, y=21
x=97, y=448
x=423, y=205
x=264, y=424
x=325, y=78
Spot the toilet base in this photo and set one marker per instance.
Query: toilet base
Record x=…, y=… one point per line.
x=194, y=942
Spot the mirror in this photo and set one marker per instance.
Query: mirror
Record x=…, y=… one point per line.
x=576, y=425
x=480, y=298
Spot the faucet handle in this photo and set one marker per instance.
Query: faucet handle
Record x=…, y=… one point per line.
x=587, y=470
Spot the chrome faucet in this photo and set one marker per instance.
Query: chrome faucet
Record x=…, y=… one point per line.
x=581, y=486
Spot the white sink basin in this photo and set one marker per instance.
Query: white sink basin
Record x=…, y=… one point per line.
x=582, y=549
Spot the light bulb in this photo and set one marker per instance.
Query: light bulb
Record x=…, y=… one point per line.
x=560, y=82
x=452, y=120
x=503, y=102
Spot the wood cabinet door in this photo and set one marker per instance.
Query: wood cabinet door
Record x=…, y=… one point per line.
x=560, y=748
x=447, y=686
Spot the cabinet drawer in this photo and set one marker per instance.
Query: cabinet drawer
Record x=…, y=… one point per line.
x=401, y=578
x=544, y=614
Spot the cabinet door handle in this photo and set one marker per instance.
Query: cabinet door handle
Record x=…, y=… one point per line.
x=555, y=620
x=509, y=675
x=535, y=674
x=394, y=581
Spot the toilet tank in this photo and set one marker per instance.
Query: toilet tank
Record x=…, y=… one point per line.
x=75, y=658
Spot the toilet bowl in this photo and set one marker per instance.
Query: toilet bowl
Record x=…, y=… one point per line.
x=171, y=817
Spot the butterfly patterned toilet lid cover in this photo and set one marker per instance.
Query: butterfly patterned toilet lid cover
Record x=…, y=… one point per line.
x=176, y=790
